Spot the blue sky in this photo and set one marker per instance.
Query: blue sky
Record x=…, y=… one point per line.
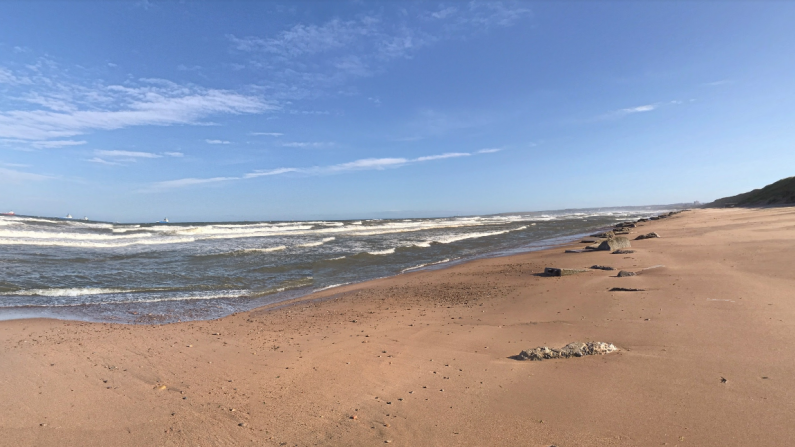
x=133, y=111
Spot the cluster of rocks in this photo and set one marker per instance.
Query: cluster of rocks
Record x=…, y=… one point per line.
x=576, y=349
x=607, y=241
x=601, y=267
x=667, y=215
x=623, y=252
x=612, y=239
x=651, y=235
x=552, y=271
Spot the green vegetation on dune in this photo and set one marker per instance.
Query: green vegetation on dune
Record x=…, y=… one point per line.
x=781, y=192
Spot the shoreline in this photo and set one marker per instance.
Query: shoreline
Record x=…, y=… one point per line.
x=428, y=357
x=308, y=295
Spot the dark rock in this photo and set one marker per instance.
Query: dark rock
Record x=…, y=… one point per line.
x=576, y=349
x=576, y=251
x=626, y=289
x=647, y=236
x=653, y=218
x=605, y=235
x=614, y=244
x=623, y=252
x=552, y=271
x=624, y=273
x=601, y=267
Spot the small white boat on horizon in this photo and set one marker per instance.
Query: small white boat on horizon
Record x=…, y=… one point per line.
x=165, y=220
x=68, y=216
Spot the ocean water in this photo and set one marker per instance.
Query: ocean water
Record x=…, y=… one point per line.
x=158, y=273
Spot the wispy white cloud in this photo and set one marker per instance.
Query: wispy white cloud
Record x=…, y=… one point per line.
x=308, y=39
x=266, y=134
x=637, y=109
x=66, y=108
x=127, y=154
x=307, y=59
x=168, y=184
x=364, y=164
x=217, y=142
x=182, y=67
x=444, y=12
x=56, y=143
x=443, y=156
x=14, y=165
x=174, y=154
x=315, y=144
x=265, y=173
x=489, y=151
x=14, y=176
x=102, y=161
x=8, y=77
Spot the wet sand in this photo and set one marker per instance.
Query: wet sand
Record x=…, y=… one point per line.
x=426, y=358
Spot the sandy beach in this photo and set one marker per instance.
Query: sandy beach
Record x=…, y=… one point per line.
x=428, y=358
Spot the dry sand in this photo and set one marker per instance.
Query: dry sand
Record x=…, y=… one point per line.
x=425, y=358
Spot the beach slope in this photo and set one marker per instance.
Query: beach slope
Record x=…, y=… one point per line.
x=430, y=357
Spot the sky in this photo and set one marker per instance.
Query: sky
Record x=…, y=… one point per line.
x=244, y=110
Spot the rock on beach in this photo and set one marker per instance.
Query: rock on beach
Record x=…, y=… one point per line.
x=576, y=349
x=552, y=271
x=647, y=236
x=615, y=243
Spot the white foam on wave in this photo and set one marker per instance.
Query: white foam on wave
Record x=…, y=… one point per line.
x=317, y=243
x=208, y=296
x=80, y=244
x=62, y=235
x=388, y=251
x=262, y=250
x=331, y=287
x=424, y=265
x=73, y=291
x=460, y=237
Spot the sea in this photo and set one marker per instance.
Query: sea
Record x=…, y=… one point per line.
x=154, y=273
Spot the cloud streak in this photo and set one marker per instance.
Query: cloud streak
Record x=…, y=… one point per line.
x=637, y=109
x=118, y=158
x=308, y=59
x=14, y=176
x=364, y=164
x=307, y=144
x=66, y=109
x=130, y=154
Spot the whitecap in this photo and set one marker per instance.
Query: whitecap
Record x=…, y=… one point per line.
x=388, y=251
